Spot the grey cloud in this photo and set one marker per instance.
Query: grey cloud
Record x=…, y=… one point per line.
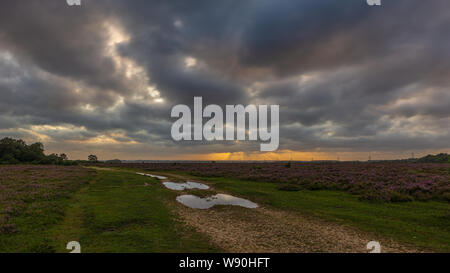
x=363, y=62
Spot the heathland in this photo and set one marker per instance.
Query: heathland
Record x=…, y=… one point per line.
x=303, y=207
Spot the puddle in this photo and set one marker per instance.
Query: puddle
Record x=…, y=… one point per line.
x=185, y=185
x=196, y=202
x=157, y=176
x=152, y=175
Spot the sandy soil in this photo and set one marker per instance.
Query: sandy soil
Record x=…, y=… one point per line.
x=242, y=230
x=237, y=229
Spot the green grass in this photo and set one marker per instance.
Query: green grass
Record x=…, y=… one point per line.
x=423, y=224
x=117, y=214
x=31, y=235
x=39, y=197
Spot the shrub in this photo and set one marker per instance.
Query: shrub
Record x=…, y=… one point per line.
x=314, y=185
x=421, y=196
x=289, y=187
x=400, y=197
x=375, y=197
x=7, y=228
x=446, y=196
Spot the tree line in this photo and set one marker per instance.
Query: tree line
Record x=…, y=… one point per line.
x=16, y=151
x=439, y=158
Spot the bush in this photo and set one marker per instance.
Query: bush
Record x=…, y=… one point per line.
x=421, y=196
x=7, y=228
x=446, y=196
x=289, y=187
x=314, y=185
x=400, y=197
x=375, y=197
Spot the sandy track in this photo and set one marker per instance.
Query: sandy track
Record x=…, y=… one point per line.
x=236, y=229
x=242, y=230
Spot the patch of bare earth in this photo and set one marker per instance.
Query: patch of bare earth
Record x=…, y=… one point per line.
x=237, y=229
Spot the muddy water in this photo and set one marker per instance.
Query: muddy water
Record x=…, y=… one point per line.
x=196, y=202
x=185, y=185
x=152, y=175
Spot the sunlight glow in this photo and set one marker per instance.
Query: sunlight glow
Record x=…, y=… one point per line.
x=190, y=62
x=127, y=66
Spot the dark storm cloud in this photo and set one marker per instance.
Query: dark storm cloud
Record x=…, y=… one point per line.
x=401, y=59
x=60, y=40
x=291, y=37
x=285, y=31
x=345, y=74
x=158, y=44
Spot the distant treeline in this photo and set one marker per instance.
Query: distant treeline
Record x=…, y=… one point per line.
x=114, y=161
x=439, y=158
x=16, y=151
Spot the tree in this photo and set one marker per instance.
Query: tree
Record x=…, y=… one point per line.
x=34, y=152
x=92, y=158
x=63, y=157
x=14, y=151
x=53, y=158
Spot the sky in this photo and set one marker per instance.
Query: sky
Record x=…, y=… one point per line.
x=352, y=80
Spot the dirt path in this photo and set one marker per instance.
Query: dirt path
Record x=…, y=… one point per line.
x=264, y=229
x=237, y=229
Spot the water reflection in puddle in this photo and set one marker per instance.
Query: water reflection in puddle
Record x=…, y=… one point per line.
x=186, y=185
x=196, y=202
x=152, y=175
